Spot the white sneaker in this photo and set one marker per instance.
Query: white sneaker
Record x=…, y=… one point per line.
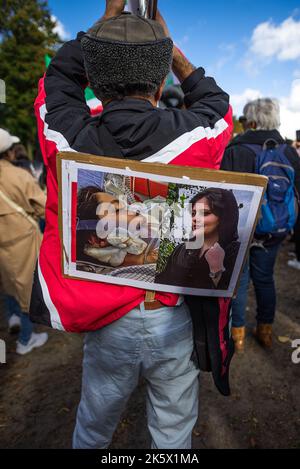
x=14, y=324
x=294, y=263
x=36, y=340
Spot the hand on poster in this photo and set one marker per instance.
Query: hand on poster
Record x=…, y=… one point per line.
x=215, y=257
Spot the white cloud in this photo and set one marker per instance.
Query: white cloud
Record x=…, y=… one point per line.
x=277, y=41
x=238, y=101
x=272, y=42
x=293, y=100
x=289, y=107
x=290, y=111
x=60, y=29
x=290, y=122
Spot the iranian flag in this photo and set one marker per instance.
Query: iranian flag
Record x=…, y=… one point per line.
x=94, y=103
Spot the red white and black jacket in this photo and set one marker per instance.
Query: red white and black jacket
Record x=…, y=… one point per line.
x=196, y=137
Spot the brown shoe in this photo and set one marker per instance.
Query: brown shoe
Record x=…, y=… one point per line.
x=263, y=334
x=238, y=335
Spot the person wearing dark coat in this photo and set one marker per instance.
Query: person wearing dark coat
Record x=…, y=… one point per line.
x=262, y=118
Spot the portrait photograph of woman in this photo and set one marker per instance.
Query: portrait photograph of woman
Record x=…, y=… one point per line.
x=208, y=258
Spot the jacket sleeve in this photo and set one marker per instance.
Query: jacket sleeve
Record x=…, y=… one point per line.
x=199, y=134
x=202, y=94
x=206, y=100
x=60, y=107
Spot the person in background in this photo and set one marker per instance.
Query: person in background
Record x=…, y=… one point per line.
x=22, y=202
x=262, y=119
x=295, y=262
x=296, y=143
x=35, y=168
x=244, y=123
x=172, y=97
x=22, y=160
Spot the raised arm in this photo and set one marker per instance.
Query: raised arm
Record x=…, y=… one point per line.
x=61, y=109
x=181, y=66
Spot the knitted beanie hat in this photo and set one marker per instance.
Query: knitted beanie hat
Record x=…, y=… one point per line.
x=126, y=49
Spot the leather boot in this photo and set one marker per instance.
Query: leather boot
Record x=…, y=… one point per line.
x=238, y=335
x=263, y=334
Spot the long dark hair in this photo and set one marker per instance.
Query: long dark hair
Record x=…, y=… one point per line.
x=223, y=204
x=87, y=203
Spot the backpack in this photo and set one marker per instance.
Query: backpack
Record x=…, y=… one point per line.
x=279, y=208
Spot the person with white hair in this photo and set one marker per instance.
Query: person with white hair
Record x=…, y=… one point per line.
x=262, y=114
x=262, y=140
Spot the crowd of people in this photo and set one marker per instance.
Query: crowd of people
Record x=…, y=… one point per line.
x=168, y=340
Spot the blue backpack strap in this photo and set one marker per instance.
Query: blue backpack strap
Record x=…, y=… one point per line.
x=259, y=149
x=281, y=148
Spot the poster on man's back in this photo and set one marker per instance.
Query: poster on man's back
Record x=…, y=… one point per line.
x=157, y=227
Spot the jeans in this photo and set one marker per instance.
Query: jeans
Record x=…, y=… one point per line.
x=156, y=345
x=260, y=268
x=12, y=308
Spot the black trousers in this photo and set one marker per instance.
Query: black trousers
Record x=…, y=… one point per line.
x=297, y=238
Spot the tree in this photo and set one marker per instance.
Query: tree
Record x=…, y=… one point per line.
x=237, y=126
x=26, y=36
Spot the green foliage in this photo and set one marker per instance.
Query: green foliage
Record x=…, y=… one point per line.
x=26, y=36
x=173, y=192
x=166, y=246
x=165, y=250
